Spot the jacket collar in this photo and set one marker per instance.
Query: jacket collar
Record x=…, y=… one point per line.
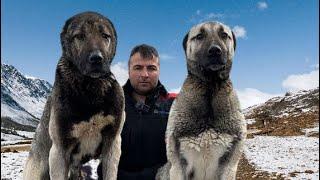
x=155, y=94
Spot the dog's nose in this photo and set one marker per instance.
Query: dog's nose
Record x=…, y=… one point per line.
x=214, y=51
x=95, y=57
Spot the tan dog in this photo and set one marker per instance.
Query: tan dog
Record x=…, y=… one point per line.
x=206, y=128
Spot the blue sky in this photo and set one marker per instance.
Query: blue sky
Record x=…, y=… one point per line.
x=277, y=43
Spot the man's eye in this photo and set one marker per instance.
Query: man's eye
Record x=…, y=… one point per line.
x=152, y=68
x=137, y=68
x=80, y=37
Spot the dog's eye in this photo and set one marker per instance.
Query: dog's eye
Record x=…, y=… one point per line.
x=199, y=36
x=106, y=36
x=224, y=35
x=79, y=37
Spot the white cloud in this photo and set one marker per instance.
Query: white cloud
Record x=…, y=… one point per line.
x=199, y=17
x=213, y=15
x=166, y=57
x=262, y=5
x=239, y=31
x=120, y=71
x=249, y=97
x=175, y=90
x=296, y=82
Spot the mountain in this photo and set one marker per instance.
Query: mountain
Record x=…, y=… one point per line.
x=22, y=97
x=286, y=115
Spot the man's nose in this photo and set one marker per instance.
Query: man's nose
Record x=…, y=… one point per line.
x=144, y=73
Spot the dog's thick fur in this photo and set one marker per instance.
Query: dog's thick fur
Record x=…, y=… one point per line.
x=206, y=128
x=84, y=115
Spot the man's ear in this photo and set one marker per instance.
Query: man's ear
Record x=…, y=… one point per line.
x=234, y=41
x=185, y=40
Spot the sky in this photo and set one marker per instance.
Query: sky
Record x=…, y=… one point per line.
x=277, y=40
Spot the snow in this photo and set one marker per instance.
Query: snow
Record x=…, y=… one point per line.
x=17, y=115
x=310, y=131
x=28, y=92
x=12, y=165
x=7, y=139
x=26, y=134
x=10, y=137
x=285, y=155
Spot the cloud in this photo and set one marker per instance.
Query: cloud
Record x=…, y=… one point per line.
x=175, y=90
x=199, y=17
x=296, y=82
x=166, y=57
x=249, y=97
x=213, y=16
x=239, y=32
x=262, y=5
x=316, y=66
x=120, y=70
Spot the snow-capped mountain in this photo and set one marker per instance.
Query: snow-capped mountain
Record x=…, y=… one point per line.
x=291, y=104
x=22, y=97
x=288, y=115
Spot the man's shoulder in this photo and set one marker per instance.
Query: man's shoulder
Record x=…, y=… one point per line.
x=168, y=97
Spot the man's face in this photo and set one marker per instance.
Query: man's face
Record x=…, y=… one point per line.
x=143, y=73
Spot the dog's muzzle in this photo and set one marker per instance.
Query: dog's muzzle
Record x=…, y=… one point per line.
x=215, y=59
x=98, y=65
x=95, y=57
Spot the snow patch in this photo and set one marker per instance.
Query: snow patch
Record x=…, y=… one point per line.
x=12, y=165
x=285, y=155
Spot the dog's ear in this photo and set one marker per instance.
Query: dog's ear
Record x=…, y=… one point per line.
x=234, y=41
x=115, y=36
x=185, y=39
x=63, y=35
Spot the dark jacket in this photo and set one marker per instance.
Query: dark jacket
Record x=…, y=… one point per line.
x=143, y=135
x=143, y=148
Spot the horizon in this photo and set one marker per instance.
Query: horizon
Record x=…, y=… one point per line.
x=277, y=41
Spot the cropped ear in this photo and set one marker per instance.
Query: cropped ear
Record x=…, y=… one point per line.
x=234, y=41
x=185, y=39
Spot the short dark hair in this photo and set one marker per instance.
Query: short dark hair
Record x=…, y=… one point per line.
x=146, y=51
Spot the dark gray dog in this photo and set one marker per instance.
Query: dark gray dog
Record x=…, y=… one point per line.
x=206, y=128
x=84, y=115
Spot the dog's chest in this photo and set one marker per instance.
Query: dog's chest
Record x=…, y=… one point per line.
x=203, y=152
x=88, y=134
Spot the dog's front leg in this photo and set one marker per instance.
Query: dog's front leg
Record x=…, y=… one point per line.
x=111, y=152
x=173, y=154
x=58, y=163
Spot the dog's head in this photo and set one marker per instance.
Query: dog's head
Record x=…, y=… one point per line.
x=89, y=42
x=209, y=48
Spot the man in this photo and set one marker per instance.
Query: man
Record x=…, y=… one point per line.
x=147, y=105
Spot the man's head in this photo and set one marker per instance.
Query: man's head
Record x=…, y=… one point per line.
x=144, y=69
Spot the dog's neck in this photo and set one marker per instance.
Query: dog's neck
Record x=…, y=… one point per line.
x=212, y=84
